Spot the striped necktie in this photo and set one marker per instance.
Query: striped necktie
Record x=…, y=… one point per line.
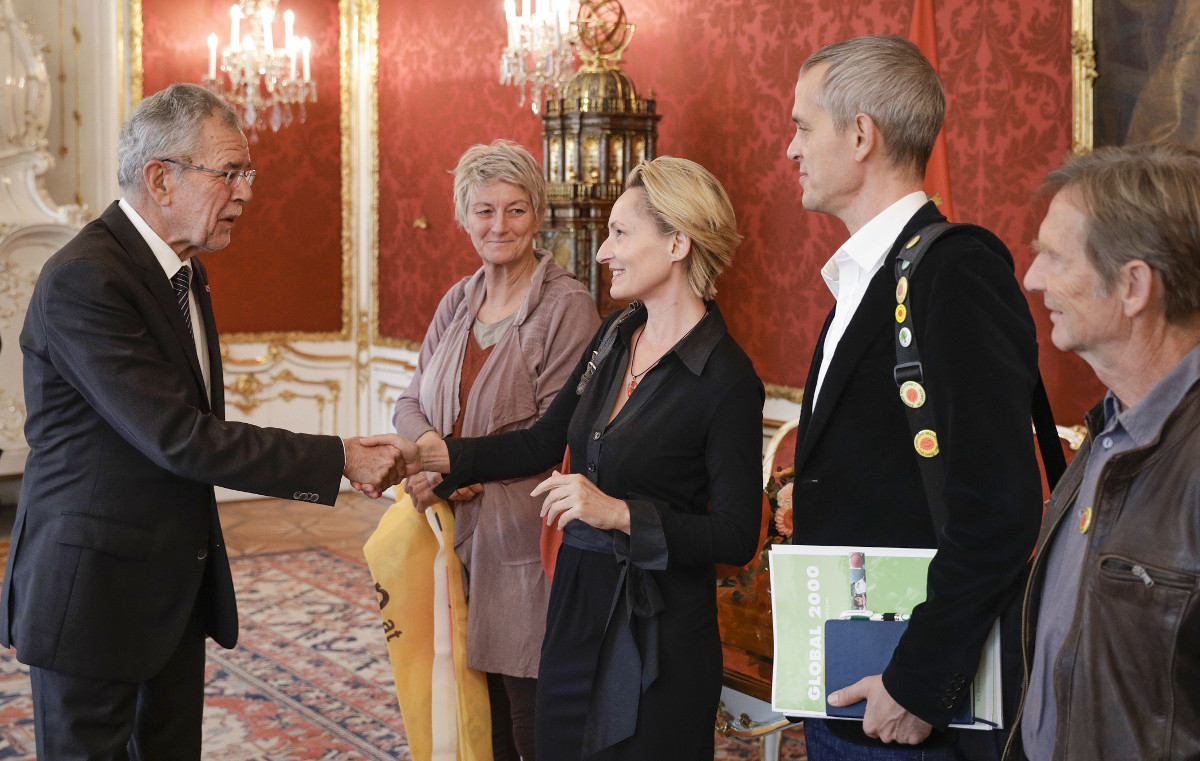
x=180, y=283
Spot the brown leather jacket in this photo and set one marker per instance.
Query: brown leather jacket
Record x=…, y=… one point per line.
x=1132, y=690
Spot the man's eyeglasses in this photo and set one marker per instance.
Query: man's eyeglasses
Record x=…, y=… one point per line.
x=231, y=177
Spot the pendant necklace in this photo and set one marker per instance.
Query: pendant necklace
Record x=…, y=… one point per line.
x=634, y=378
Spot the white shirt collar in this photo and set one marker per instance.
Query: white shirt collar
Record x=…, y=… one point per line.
x=166, y=257
x=870, y=244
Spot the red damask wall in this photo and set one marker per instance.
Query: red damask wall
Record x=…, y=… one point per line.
x=283, y=271
x=723, y=72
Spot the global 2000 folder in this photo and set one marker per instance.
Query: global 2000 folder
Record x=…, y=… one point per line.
x=837, y=614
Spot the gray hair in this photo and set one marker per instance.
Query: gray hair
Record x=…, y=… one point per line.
x=502, y=161
x=168, y=124
x=887, y=78
x=1141, y=202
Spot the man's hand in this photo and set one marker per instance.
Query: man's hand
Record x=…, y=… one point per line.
x=376, y=462
x=884, y=718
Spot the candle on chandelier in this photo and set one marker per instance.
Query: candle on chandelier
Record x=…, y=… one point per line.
x=564, y=16
x=268, y=18
x=510, y=18
x=291, y=51
x=289, y=19
x=525, y=7
x=305, y=47
x=235, y=17
x=212, y=56
x=248, y=46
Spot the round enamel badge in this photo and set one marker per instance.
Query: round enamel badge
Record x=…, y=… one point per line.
x=1085, y=520
x=901, y=290
x=926, y=443
x=905, y=337
x=901, y=313
x=912, y=394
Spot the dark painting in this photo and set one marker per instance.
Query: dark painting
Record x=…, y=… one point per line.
x=1148, y=60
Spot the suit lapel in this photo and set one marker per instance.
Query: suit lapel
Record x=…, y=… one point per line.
x=874, y=313
x=803, y=445
x=204, y=302
x=156, y=282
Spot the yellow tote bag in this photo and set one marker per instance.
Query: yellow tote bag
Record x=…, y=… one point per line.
x=423, y=603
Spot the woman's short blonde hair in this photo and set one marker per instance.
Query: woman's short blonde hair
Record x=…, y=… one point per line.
x=502, y=161
x=683, y=196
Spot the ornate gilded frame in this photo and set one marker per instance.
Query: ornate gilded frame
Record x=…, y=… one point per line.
x=377, y=338
x=1083, y=74
x=348, y=236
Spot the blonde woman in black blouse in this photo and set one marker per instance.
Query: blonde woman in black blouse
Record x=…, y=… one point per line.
x=665, y=429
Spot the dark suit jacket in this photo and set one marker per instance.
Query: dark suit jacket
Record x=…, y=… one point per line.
x=857, y=478
x=116, y=539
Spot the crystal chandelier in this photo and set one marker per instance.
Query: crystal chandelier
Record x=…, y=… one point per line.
x=263, y=81
x=540, y=54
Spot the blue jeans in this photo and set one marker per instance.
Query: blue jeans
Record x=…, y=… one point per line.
x=823, y=745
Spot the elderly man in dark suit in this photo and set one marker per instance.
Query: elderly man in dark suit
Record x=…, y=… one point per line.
x=118, y=570
x=867, y=113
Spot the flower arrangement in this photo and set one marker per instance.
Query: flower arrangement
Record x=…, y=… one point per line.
x=779, y=493
x=779, y=531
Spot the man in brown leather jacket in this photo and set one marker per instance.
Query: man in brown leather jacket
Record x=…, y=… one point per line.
x=1113, y=605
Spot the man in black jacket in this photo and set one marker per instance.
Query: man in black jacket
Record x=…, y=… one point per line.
x=867, y=113
x=118, y=570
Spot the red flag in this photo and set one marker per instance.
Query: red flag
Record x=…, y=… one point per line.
x=937, y=172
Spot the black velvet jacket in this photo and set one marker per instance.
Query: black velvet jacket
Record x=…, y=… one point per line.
x=857, y=478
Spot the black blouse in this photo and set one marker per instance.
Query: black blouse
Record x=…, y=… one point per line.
x=684, y=452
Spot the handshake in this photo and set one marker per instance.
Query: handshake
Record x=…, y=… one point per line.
x=373, y=463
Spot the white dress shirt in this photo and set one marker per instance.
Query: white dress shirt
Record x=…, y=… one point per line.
x=850, y=269
x=171, y=264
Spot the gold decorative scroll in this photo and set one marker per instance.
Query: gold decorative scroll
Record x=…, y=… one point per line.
x=137, y=74
x=790, y=393
x=1083, y=75
x=744, y=726
x=386, y=400
x=275, y=352
x=12, y=417
x=250, y=388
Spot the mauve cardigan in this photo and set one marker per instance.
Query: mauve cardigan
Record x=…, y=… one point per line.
x=497, y=533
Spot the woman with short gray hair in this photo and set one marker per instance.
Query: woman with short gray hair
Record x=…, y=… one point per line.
x=501, y=345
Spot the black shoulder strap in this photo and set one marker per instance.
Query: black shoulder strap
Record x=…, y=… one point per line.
x=910, y=377
x=606, y=344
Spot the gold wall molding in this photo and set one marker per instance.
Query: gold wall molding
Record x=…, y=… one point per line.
x=250, y=387
x=387, y=401
x=372, y=62
x=16, y=286
x=1083, y=75
x=790, y=393
x=276, y=351
x=402, y=364
x=396, y=343
x=12, y=417
x=137, y=71
x=349, y=237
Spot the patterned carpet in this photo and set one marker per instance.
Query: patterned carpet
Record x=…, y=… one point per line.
x=309, y=679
